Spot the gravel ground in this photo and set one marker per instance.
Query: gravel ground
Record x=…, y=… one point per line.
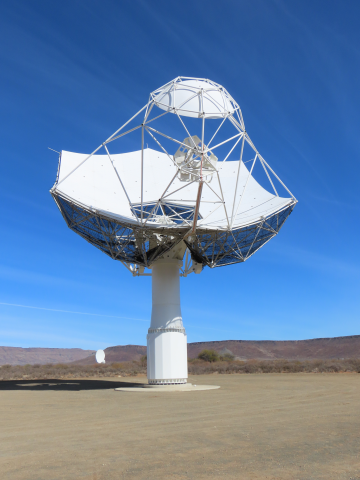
x=263, y=426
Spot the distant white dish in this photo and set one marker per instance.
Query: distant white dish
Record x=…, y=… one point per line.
x=100, y=356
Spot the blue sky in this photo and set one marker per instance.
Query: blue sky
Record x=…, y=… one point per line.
x=73, y=72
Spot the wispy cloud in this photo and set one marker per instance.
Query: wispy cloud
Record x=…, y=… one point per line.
x=36, y=339
x=70, y=311
x=310, y=259
x=333, y=201
x=201, y=327
x=10, y=198
x=38, y=277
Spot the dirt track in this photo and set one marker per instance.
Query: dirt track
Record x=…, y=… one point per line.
x=269, y=426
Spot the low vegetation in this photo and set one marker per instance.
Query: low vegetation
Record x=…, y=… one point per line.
x=68, y=370
x=209, y=356
x=199, y=366
x=213, y=356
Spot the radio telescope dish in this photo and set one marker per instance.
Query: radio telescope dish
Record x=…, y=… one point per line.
x=100, y=356
x=194, y=193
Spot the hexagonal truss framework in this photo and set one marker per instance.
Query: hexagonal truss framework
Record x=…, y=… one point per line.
x=137, y=248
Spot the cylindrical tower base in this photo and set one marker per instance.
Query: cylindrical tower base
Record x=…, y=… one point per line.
x=167, y=356
x=166, y=339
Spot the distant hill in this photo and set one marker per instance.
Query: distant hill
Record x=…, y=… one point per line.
x=23, y=356
x=122, y=353
x=321, y=348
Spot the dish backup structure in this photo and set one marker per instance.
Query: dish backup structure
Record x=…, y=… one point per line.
x=195, y=193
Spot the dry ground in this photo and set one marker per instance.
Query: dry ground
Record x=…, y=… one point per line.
x=263, y=426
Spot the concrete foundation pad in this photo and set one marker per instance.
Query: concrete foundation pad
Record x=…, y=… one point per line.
x=185, y=387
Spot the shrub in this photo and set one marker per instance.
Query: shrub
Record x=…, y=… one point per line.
x=117, y=365
x=209, y=356
x=227, y=357
x=60, y=366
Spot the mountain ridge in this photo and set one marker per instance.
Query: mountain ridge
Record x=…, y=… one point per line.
x=315, y=348
x=309, y=349
x=41, y=356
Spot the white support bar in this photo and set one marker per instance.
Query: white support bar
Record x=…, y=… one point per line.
x=142, y=172
x=242, y=195
x=212, y=138
x=267, y=173
x=237, y=179
x=118, y=176
x=237, y=141
x=126, y=123
x=81, y=163
x=226, y=141
x=122, y=134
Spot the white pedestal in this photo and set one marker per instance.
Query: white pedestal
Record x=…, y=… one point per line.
x=166, y=339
